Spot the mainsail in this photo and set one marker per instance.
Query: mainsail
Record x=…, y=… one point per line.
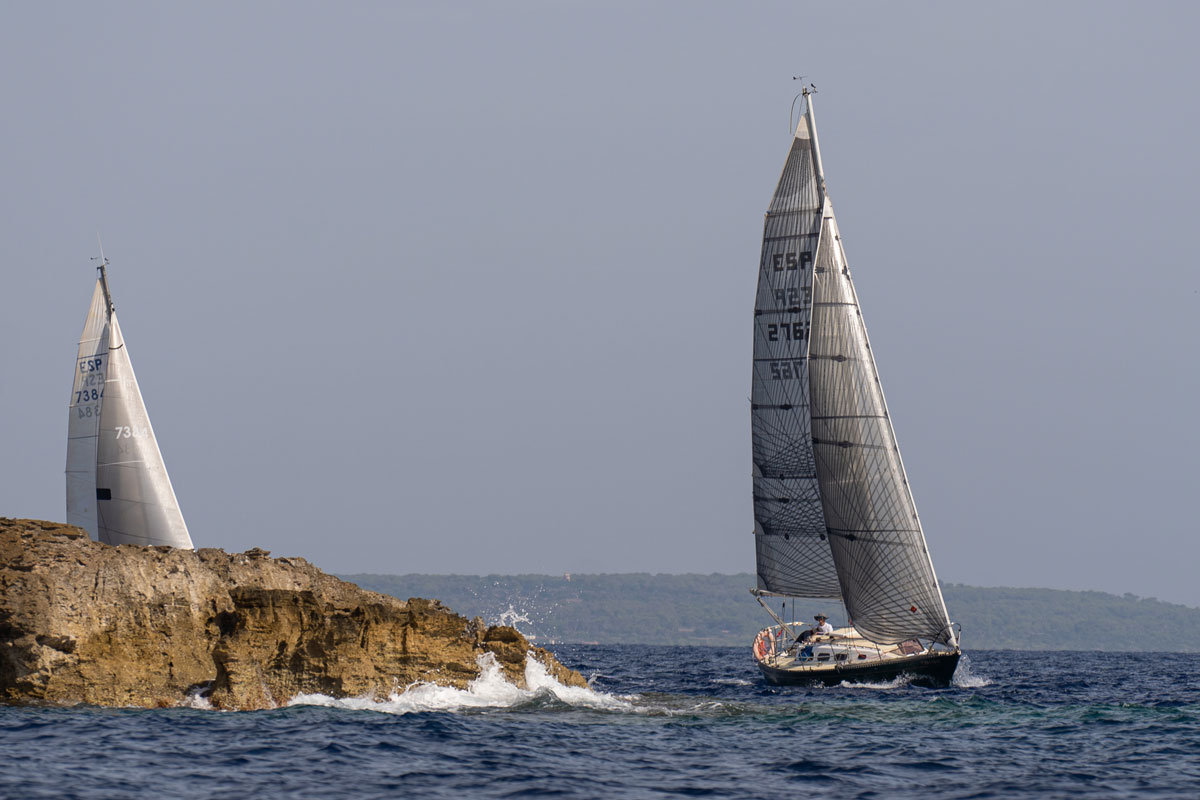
x=789, y=525
x=83, y=427
x=842, y=502
x=118, y=489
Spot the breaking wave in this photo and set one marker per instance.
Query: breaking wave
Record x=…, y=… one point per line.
x=491, y=690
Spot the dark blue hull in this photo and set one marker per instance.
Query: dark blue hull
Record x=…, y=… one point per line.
x=929, y=669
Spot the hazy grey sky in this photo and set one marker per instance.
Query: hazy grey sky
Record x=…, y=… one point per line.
x=468, y=287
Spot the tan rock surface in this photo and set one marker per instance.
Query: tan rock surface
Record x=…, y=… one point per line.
x=83, y=622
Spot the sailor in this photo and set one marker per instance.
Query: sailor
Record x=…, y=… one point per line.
x=822, y=628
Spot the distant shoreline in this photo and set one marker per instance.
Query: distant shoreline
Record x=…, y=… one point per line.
x=718, y=610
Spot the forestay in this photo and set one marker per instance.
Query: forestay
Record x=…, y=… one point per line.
x=117, y=484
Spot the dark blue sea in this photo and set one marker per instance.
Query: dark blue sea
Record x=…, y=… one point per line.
x=657, y=722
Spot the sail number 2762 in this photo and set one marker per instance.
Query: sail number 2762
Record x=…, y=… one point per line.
x=786, y=331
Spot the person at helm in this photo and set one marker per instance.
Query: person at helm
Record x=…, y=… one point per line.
x=822, y=628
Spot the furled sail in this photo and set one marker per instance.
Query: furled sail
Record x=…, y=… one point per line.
x=792, y=551
x=117, y=485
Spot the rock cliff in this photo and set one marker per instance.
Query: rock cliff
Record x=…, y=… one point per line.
x=84, y=622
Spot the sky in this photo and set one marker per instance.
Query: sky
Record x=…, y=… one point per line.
x=468, y=287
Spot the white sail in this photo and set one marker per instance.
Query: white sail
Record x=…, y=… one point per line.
x=833, y=511
x=888, y=584
x=83, y=425
x=792, y=553
x=130, y=499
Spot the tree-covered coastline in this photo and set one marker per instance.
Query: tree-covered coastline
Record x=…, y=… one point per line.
x=693, y=609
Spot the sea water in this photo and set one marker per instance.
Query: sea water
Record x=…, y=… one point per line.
x=655, y=722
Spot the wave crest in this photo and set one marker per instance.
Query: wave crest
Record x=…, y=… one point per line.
x=488, y=691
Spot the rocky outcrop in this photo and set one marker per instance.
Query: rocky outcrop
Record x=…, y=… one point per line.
x=83, y=622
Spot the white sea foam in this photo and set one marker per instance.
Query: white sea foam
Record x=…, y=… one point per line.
x=964, y=678
x=734, y=681
x=513, y=618
x=197, y=702
x=489, y=690
x=197, y=697
x=898, y=682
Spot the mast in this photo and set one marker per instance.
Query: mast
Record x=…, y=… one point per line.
x=816, y=147
x=108, y=305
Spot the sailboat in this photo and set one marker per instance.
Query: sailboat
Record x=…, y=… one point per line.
x=834, y=517
x=118, y=489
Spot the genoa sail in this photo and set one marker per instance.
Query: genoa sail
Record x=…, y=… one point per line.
x=828, y=477
x=883, y=564
x=118, y=489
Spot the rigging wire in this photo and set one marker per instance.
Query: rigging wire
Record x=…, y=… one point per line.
x=791, y=127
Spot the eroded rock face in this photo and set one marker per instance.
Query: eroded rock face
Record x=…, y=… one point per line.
x=84, y=622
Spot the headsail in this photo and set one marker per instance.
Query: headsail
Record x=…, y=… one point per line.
x=888, y=583
x=789, y=526
x=117, y=485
